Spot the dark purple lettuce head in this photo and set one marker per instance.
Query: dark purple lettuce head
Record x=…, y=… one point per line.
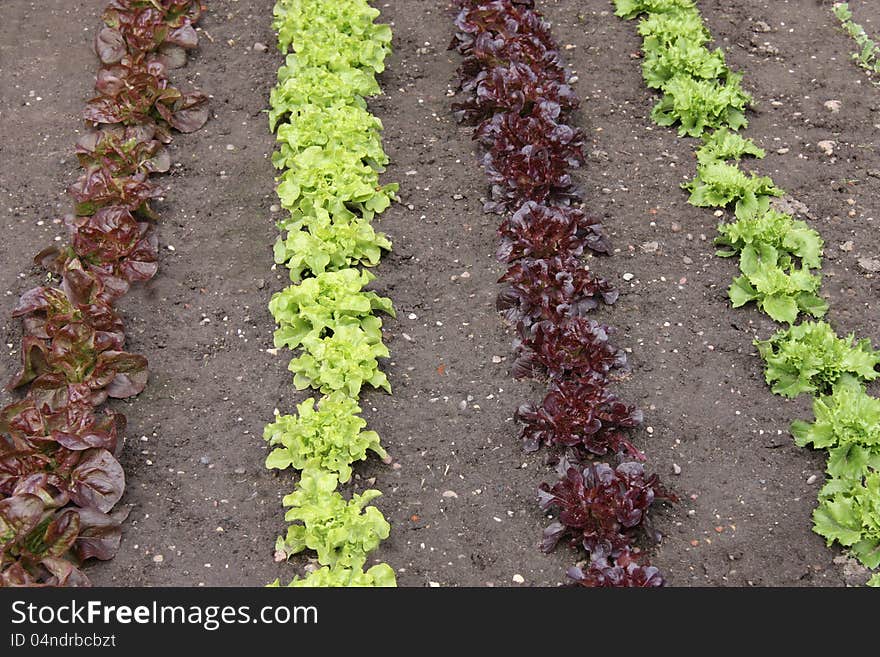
x=582, y=414
x=598, y=506
x=576, y=347
x=551, y=290
x=625, y=572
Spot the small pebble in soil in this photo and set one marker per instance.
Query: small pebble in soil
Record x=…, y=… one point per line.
x=496, y=359
x=833, y=106
x=158, y=558
x=239, y=470
x=260, y=47
x=205, y=460
x=519, y=579
x=870, y=265
x=812, y=479
x=676, y=468
x=826, y=146
x=628, y=277
x=450, y=494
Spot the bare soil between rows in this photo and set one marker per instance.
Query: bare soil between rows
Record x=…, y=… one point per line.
x=462, y=501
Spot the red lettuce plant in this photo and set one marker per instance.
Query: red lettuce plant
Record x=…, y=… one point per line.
x=580, y=413
x=576, y=347
x=599, y=506
x=541, y=232
x=551, y=290
x=626, y=571
x=59, y=476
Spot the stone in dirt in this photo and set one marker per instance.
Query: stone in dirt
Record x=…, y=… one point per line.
x=870, y=265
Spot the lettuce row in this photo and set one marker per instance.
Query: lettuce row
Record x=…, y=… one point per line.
x=518, y=97
x=330, y=157
x=780, y=259
x=867, y=54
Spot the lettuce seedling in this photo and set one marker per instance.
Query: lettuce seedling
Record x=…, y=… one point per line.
x=847, y=422
x=380, y=575
x=777, y=229
x=723, y=144
x=780, y=288
x=849, y=514
x=718, y=185
x=699, y=105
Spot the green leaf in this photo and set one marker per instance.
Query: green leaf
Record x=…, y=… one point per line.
x=837, y=520
x=780, y=307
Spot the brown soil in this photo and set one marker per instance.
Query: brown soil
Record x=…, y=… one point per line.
x=194, y=452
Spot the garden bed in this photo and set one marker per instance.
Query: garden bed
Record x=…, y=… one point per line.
x=461, y=495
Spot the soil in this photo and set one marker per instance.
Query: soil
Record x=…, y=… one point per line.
x=461, y=495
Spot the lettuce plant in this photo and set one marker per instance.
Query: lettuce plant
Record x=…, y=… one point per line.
x=328, y=438
x=551, y=290
x=317, y=305
x=625, y=572
x=580, y=413
x=380, y=575
x=345, y=360
x=718, y=185
x=809, y=357
x=724, y=144
x=776, y=229
x=847, y=424
x=699, y=105
x=776, y=284
x=341, y=532
x=849, y=514
x=599, y=506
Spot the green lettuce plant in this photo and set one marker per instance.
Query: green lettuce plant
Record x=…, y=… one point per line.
x=345, y=360
x=698, y=105
x=328, y=438
x=341, y=532
x=724, y=144
x=718, y=185
x=380, y=575
x=847, y=423
x=809, y=357
x=779, y=287
x=776, y=229
x=317, y=305
x=849, y=514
